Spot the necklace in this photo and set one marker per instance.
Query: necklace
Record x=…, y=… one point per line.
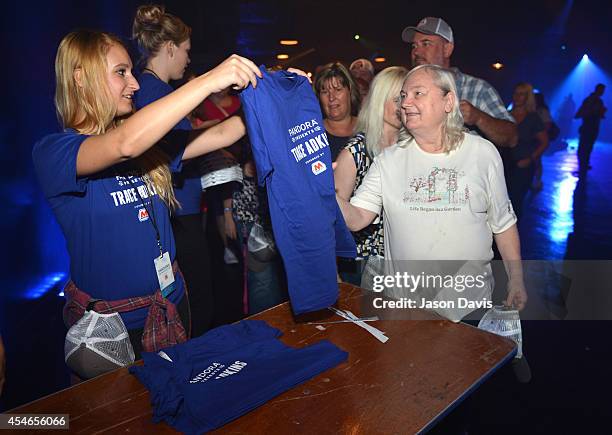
x=152, y=72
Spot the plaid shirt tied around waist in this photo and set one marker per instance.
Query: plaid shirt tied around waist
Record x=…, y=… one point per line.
x=163, y=326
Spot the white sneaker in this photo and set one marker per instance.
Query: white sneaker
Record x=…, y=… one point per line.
x=229, y=257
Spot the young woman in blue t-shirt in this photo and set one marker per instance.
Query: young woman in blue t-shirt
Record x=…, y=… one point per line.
x=108, y=184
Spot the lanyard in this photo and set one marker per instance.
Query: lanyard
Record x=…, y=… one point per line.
x=151, y=214
x=152, y=72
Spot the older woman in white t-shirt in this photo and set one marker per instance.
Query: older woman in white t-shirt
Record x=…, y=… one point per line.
x=442, y=191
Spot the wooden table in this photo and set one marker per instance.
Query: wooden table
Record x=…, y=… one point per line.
x=403, y=386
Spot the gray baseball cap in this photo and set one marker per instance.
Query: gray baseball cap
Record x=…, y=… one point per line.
x=429, y=26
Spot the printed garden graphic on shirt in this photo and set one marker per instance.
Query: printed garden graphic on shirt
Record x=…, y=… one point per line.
x=440, y=187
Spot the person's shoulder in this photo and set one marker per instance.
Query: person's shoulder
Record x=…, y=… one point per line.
x=53, y=141
x=53, y=152
x=150, y=80
x=468, y=80
x=151, y=89
x=480, y=145
x=396, y=151
x=357, y=142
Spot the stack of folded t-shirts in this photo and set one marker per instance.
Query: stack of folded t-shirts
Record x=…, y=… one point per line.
x=208, y=381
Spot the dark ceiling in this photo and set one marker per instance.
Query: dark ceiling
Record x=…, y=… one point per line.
x=526, y=36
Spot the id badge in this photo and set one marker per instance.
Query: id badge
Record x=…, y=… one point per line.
x=163, y=267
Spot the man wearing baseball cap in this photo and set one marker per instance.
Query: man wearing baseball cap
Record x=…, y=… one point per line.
x=432, y=42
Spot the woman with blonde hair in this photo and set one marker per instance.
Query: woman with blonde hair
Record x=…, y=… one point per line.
x=378, y=126
x=533, y=141
x=442, y=194
x=107, y=178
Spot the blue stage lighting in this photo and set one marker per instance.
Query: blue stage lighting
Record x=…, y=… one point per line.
x=44, y=285
x=585, y=56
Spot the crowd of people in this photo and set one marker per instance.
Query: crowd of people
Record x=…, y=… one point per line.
x=429, y=165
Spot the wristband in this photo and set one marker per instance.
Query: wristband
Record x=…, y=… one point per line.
x=226, y=209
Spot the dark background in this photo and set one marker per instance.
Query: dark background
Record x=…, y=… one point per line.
x=526, y=36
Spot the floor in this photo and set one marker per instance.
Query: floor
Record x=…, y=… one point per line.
x=569, y=360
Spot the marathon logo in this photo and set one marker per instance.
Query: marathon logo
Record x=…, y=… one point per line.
x=318, y=167
x=143, y=214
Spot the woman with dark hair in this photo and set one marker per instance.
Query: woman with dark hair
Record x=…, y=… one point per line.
x=107, y=178
x=339, y=98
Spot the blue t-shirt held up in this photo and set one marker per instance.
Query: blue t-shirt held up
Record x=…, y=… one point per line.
x=217, y=377
x=187, y=186
x=293, y=159
x=109, y=233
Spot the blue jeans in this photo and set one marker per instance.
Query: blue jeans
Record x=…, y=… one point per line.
x=264, y=288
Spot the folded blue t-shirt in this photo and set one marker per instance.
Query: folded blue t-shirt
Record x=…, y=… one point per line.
x=227, y=372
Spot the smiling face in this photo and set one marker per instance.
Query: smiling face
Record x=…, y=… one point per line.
x=121, y=83
x=424, y=107
x=179, y=59
x=335, y=99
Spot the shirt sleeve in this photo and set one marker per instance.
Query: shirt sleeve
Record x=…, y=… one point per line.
x=256, y=137
x=173, y=145
x=152, y=90
x=491, y=103
x=369, y=194
x=55, y=160
x=500, y=214
x=356, y=147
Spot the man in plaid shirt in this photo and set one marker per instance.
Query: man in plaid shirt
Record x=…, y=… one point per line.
x=432, y=42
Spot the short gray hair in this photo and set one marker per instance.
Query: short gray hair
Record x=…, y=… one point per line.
x=453, y=129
